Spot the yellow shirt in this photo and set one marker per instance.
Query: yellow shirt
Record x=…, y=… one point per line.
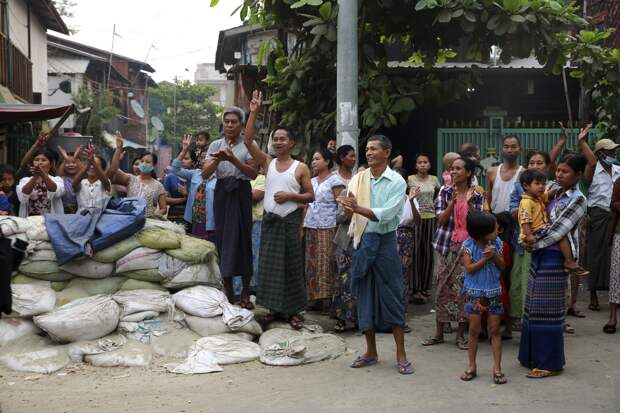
x=257, y=208
x=534, y=212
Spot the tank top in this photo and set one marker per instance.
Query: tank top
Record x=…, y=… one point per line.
x=500, y=201
x=280, y=181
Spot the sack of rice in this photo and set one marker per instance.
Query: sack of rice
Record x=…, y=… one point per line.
x=151, y=275
x=139, y=259
x=131, y=284
x=37, y=230
x=118, y=250
x=70, y=294
x=88, y=268
x=158, y=238
x=164, y=224
x=108, y=285
x=194, y=250
x=197, y=274
x=32, y=299
x=43, y=270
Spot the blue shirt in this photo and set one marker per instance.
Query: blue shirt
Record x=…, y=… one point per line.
x=387, y=199
x=171, y=185
x=485, y=281
x=193, y=178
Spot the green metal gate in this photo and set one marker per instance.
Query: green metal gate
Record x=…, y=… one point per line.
x=488, y=140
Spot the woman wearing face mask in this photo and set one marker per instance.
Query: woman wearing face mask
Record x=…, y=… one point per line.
x=41, y=193
x=142, y=186
x=68, y=170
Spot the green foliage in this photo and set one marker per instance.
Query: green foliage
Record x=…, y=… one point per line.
x=302, y=81
x=194, y=109
x=103, y=110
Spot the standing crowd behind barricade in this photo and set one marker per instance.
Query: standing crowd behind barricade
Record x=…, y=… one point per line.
x=360, y=246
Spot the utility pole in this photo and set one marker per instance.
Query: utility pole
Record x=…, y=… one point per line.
x=107, y=83
x=347, y=75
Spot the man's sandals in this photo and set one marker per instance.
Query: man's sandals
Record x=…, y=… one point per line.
x=363, y=361
x=431, y=341
x=540, y=374
x=578, y=270
x=296, y=322
x=609, y=329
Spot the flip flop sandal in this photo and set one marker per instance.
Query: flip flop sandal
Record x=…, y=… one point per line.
x=405, y=368
x=469, y=375
x=406, y=329
x=340, y=327
x=540, y=374
x=609, y=329
x=568, y=329
x=462, y=344
x=594, y=307
x=431, y=341
x=499, y=378
x=578, y=271
x=296, y=322
x=575, y=313
x=363, y=361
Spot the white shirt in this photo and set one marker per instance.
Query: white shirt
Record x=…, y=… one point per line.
x=54, y=197
x=92, y=195
x=280, y=181
x=601, y=188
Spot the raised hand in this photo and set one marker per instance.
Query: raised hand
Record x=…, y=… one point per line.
x=78, y=151
x=42, y=139
x=62, y=152
x=563, y=134
x=119, y=140
x=416, y=191
x=256, y=102
x=186, y=142
x=90, y=153
x=583, y=132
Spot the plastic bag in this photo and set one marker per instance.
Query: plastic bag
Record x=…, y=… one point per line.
x=108, y=285
x=132, y=354
x=158, y=238
x=83, y=319
x=139, y=259
x=200, y=301
x=194, y=250
x=215, y=325
x=88, y=268
x=13, y=328
x=197, y=274
x=34, y=354
x=118, y=250
x=77, y=351
x=140, y=285
x=32, y=299
x=136, y=301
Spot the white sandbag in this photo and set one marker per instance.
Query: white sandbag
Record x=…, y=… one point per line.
x=229, y=348
x=83, y=319
x=165, y=224
x=139, y=259
x=215, y=325
x=287, y=347
x=236, y=317
x=140, y=316
x=118, y=250
x=13, y=328
x=37, y=231
x=200, y=301
x=197, y=274
x=32, y=299
x=244, y=336
x=158, y=238
x=108, y=285
x=169, y=266
x=42, y=245
x=42, y=255
x=34, y=354
x=198, y=362
x=88, y=268
x=175, y=344
x=307, y=327
x=136, y=301
x=132, y=354
x=77, y=351
x=13, y=225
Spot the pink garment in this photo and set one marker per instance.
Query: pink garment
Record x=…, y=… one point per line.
x=459, y=233
x=447, y=178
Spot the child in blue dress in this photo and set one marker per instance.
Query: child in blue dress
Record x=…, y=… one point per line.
x=483, y=261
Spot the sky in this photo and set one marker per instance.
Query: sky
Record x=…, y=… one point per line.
x=183, y=32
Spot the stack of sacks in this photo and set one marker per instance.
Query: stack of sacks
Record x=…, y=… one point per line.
x=158, y=257
x=209, y=313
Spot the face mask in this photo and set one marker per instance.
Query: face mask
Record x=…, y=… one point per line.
x=610, y=160
x=145, y=169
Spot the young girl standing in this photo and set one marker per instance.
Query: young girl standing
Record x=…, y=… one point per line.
x=483, y=261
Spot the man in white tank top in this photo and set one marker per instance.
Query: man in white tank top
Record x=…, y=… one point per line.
x=281, y=285
x=503, y=177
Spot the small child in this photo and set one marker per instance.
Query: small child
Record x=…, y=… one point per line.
x=534, y=221
x=202, y=145
x=447, y=165
x=9, y=203
x=483, y=260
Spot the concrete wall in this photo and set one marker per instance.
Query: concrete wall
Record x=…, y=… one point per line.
x=18, y=19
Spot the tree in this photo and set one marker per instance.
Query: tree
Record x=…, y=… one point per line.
x=301, y=80
x=194, y=109
x=102, y=111
x=65, y=9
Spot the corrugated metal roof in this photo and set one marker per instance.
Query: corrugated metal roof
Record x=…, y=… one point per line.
x=67, y=65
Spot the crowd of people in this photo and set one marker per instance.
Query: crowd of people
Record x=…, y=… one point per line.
x=360, y=246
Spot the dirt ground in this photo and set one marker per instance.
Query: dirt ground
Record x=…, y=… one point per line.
x=590, y=382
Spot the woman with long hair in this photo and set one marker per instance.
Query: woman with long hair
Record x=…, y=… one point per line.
x=41, y=193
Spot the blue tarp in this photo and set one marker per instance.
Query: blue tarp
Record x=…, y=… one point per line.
x=70, y=234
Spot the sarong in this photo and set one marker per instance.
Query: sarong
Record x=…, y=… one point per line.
x=598, y=256
x=518, y=282
x=450, y=275
x=542, y=331
x=377, y=283
x=614, y=275
x=405, y=237
x=199, y=230
x=281, y=287
x=343, y=306
x=232, y=209
x=423, y=253
x=238, y=281
x=320, y=268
